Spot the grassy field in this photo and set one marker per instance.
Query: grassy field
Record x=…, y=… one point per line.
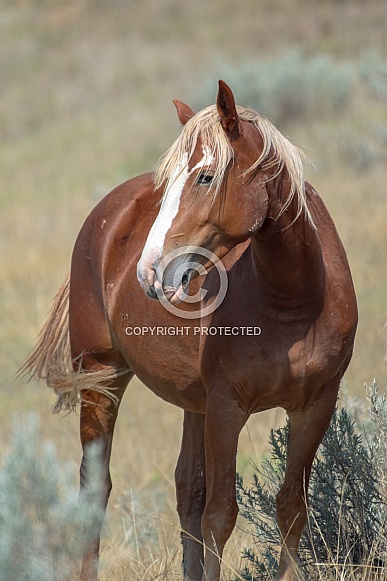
x=86, y=103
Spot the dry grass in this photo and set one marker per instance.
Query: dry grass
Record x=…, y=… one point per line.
x=86, y=103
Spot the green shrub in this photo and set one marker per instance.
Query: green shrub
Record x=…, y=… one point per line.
x=373, y=70
x=289, y=87
x=360, y=151
x=41, y=518
x=347, y=499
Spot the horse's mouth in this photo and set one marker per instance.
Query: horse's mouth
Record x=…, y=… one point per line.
x=173, y=295
x=167, y=294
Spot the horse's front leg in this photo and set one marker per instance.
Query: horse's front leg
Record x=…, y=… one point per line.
x=98, y=417
x=306, y=432
x=191, y=494
x=224, y=421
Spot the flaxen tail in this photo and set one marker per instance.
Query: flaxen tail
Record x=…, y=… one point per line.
x=51, y=359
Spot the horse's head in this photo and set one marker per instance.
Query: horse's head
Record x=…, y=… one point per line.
x=214, y=179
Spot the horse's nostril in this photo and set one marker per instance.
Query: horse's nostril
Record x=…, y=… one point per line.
x=151, y=292
x=185, y=278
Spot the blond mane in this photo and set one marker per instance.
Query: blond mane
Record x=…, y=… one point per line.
x=277, y=153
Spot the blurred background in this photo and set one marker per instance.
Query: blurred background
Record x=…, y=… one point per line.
x=86, y=103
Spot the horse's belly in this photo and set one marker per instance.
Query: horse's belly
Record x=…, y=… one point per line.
x=191, y=397
x=165, y=359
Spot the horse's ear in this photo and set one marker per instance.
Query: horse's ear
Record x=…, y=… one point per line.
x=225, y=104
x=184, y=112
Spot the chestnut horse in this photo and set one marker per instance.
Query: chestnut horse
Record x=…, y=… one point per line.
x=232, y=188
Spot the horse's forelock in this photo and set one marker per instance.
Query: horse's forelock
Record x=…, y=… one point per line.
x=206, y=126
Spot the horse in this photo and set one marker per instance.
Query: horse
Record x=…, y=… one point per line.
x=228, y=205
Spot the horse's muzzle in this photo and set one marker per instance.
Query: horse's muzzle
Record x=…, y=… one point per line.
x=174, y=284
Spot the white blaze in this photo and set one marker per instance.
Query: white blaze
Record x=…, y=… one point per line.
x=154, y=244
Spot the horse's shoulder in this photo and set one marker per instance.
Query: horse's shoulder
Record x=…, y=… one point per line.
x=118, y=217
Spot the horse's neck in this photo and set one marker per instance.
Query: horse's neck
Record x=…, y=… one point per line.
x=288, y=260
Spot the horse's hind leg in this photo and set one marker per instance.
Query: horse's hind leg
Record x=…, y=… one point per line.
x=98, y=417
x=306, y=432
x=191, y=494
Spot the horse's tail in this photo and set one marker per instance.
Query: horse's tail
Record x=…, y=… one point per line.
x=51, y=359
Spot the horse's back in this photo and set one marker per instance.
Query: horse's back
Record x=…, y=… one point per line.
x=340, y=302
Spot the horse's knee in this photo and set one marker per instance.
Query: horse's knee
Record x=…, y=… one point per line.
x=291, y=508
x=219, y=521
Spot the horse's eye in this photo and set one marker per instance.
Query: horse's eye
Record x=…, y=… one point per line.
x=205, y=179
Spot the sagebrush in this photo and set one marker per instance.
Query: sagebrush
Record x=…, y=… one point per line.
x=347, y=524
x=43, y=521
